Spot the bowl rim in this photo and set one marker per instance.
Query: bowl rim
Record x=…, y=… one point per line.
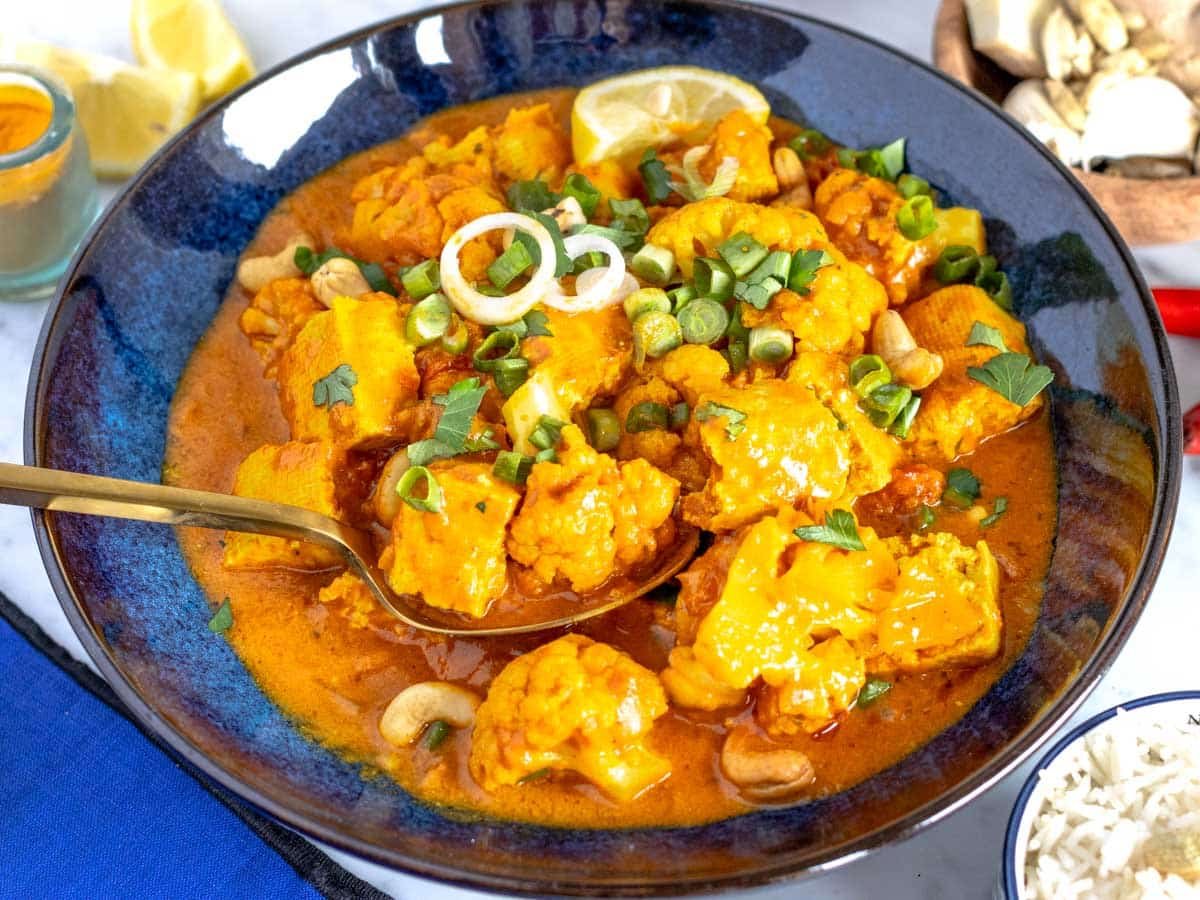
x=1021, y=806
x=1168, y=445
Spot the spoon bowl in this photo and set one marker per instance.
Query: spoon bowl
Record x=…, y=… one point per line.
x=58, y=491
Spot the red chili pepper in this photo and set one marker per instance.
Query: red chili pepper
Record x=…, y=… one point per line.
x=1180, y=308
x=1191, y=430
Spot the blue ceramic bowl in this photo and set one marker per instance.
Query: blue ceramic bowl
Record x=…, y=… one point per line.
x=1178, y=706
x=146, y=283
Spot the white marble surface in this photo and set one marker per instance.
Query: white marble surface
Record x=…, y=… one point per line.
x=957, y=858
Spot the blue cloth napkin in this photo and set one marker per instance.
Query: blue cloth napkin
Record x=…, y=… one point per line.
x=90, y=807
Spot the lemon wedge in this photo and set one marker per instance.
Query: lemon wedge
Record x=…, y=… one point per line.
x=191, y=36
x=126, y=112
x=622, y=116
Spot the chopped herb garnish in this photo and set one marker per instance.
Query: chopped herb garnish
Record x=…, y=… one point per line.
x=647, y=416
x=481, y=506
x=537, y=324
x=839, y=530
x=578, y=186
x=962, y=488
x=742, y=253
x=629, y=216
x=336, y=387
x=925, y=517
x=308, y=262
x=735, y=422
x=459, y=406
x=549, y=455
x=915, y=218
x=534, y=776
x=604, y=428
x=510, y=264
x=433, y=499
x=547, y=433
x=809, y=143
x=563, y=263
x=655, y=177
x=1013, y=376
x=999, y=508
x=423, y=279
x=512, y=467
x=436, y=734
x=531, y=196
x=222, y=619
x=625, y=240
x=805, y=266
x=872, y=691
x=986, y=336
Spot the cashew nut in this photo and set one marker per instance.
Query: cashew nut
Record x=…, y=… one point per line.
x=386, y=500
x=910, y=364
x=422, y=703
x=763, y=771
x=255, y=273
x=339, y=277
x=789, y=170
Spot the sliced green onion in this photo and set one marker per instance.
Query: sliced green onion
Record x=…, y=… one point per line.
x=868, y=373
x=915, y=218
x=777, y=265
x=436, y=734
x=742, y=253
x=563, y=262
x=514, y=261
x=997, y=286
x=987, y=265
x=770, y=345
x=736, y=330
x=884, y=404
x=871, y=162
x=809, y=143
x=703, y=321
x=497, y=346
x=428, y=320
x=547, y=433
x=531, y=196
x=925, y=518
x=847, y=157
x=519, y=328
x=653, y=264
x=680, y=414
x=422, y=279
x=891, y=157
x=999, y=508
x=713, y=278
x=456, y=338
x=655, y=177
x=512, y=467
x=604, y=429
x=655, y=334
x=549, y=455
x=584, y=191
x=510, y=374
x=647, y=416
x=759, y=294
x=488, y=290
x=904, y=421
x=434, y=498
x=646, y=300
x=736, y=353
x=957, y=263
x=590, y=260
x=681, y=297
x=911, y=185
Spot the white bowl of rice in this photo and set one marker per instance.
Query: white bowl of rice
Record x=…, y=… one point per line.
x=1112, y=812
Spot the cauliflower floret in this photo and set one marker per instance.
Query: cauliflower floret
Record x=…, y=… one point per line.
x=585, y=517
x=532, y=144
x=692, y=369
x=454, y=558
x=873, y=452
x=825, y=685
x=710, y=222
x=946, y=606
x=571, y=705
x=957, y=412
x=352, y=599
x=771, y=445
x=654, y=445
x=691, y=685
x=275, y=316
x=749, y=142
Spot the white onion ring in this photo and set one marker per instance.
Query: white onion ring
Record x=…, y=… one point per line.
x=499, y=310
x=605, y=290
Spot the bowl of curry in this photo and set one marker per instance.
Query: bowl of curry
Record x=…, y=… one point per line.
x=532, y=310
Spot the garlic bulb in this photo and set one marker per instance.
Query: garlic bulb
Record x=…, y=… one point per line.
x=1140, y=116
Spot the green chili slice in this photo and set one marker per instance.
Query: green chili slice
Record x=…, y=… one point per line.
x=547, y=433
x=809, y=143
x=911, y=185
x=513, y=262
x=957, y=263
x=904, y=421
x=681, y=297
x=997, y=286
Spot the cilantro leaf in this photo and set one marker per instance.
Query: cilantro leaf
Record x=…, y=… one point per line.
x=481, y=506
x=805, y=266
x=484, y=441
x=872, y=691
x=222, y=620
x=962, y=487
x=655, y=177
x=531, y=196
x=459, y=406
x=839, y=530
x=537, y=324
x=336, y=387
x=1013, y=376
x=999, y=508
x=986, y=336
x=629, y=215
x=422, y=453
x=735, y=418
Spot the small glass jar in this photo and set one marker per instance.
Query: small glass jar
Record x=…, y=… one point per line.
x=48, y=195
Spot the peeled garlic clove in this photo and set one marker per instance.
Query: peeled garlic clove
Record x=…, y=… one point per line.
x=1098, y=84
x=1103, y=20
x=1142, y=116
x=1058, y=44
x=1028, y=104
x=1062, y=141
x=1007, y=32
x=1085, y=49
x=1066, y=104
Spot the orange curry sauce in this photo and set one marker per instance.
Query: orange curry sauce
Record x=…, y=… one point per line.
x=334, y=681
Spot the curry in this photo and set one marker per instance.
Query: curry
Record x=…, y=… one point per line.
x=527, y=371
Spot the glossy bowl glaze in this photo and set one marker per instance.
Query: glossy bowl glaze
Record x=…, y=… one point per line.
x=148, y=280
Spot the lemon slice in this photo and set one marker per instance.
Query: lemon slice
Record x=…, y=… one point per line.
x=622, y=116
x=125, y=111
x=191, y=36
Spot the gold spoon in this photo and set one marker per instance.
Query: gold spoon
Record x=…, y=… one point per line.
x=93, y=495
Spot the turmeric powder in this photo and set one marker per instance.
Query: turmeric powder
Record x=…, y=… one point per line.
x=24, y=116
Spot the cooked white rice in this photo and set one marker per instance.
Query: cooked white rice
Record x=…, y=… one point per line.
x=1104, y=796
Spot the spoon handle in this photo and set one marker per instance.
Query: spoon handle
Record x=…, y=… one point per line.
x=94, y=495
